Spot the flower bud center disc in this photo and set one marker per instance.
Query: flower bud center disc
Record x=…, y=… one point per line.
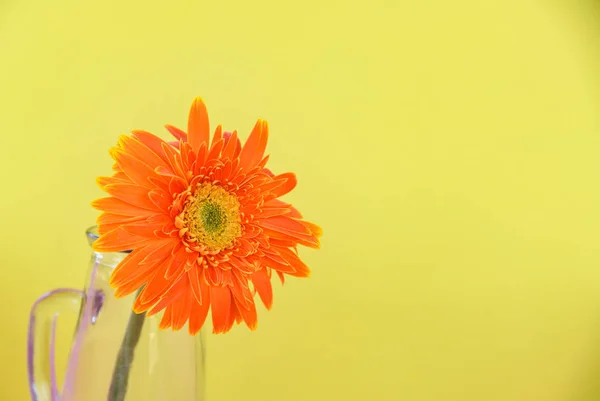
x=213, y=216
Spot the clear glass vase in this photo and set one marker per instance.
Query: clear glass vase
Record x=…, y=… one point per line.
x=162, y=366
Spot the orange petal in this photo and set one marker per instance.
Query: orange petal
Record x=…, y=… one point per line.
x=195, y=285
x=177, y=185
x=153, y=142
x=111, y=218
x=263, y=239
x=276, y=226
x=166, y=172
x=238, y=145
x=140, y=151
x=246, y=247
x=295, y=213
x=121, y=176
x=227, y=170
x=117, y=206
x=287, y=187
x=281, y=267
x=160, y=199
x=262, y=283
x=121, y=240
x=274, y=255
x=132, y=194
x=130, y=287
x=276, y=203
x=105, y=228
x=231, y=142
x=176, y=263
x=234, y=316
x=284, y=241
x=248, y=315
x=160, y=252
x=180, y=288
x=241, y=264
x=109, y=221
x=254, y=148
x=315, y=229
x=174, y=161
x=281, y=277
x=182, y=309
x=291, y=239
x=160, y=182
x=227, y=277
x=198, y=125
x=240, y=290
x=104, y=181
x=180, y=135
x=129, y=268
x=215, y=150
x=200, y=311
x=272, y=212
x=143, y=229
x=188, y=156
x=218, y=134
x=214, y=276
x=220, y=301
x=157, y=286
x=137, y=170
x=273, y=184
x=200, y=158
x=301, y=269
x=165, y=322
x=162, y=304
x=285, y=225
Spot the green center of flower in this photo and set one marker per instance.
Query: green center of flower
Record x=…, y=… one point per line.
x=212, y=216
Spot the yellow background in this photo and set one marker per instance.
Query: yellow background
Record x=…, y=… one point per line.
x=449, y=149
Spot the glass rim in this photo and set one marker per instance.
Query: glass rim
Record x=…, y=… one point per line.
x=92, y=233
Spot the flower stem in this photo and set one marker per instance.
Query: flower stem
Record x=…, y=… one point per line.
x=120, y=378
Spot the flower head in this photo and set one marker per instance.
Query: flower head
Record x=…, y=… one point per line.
x=204, y=224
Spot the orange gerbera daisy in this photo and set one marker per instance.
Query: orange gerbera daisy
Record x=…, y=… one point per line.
x=204, y=224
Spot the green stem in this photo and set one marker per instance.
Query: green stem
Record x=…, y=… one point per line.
x=120, y=378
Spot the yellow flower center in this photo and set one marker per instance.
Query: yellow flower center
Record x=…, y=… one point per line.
x=213, y=216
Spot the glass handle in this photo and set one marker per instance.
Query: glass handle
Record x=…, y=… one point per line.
x=41, y=340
